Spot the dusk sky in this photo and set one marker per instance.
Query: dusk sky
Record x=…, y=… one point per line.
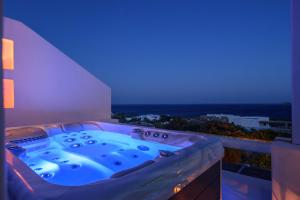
x=171, y=51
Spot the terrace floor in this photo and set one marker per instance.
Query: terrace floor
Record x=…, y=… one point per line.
x=240, y=187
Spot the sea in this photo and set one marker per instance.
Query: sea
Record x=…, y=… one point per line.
x=274, y=111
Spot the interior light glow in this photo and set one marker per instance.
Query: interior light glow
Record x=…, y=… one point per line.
x=7, y=54
x=8, y=93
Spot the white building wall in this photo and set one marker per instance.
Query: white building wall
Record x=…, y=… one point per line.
x=49, y=86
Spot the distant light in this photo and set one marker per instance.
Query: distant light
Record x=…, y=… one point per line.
x=177, y=188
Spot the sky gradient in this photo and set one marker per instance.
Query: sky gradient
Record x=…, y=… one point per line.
x=171, y=51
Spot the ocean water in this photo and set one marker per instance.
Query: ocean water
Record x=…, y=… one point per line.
x=274, y=111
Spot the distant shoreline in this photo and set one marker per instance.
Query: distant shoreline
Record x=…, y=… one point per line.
x=274, y=111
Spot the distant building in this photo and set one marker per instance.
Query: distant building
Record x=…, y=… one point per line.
x=253, y=122
x=150, y=117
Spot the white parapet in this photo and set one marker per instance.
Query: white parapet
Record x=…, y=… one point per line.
x=50, y=87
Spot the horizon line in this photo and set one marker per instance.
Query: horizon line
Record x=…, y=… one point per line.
x=141, y=104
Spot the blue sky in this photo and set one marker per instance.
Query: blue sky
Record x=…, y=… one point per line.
x=171, y=51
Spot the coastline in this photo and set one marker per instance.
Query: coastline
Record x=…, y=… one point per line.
x=274, y=111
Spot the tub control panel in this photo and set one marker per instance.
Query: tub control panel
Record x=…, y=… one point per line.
x=151, y=135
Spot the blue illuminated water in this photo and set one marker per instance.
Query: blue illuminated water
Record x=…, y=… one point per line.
x=85, y=157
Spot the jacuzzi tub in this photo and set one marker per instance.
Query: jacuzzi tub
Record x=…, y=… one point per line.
x=97, y=160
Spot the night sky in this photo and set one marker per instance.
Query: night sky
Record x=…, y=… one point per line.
x=171, y=51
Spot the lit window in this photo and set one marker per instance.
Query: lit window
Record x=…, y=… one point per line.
x=7, y=54
x=8, y=93
x=8, y=64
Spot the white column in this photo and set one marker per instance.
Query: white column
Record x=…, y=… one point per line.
x=296, y=71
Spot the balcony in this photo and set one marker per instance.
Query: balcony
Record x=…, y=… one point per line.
x=32, y=104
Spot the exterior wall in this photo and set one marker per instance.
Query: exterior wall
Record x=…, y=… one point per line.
x=49, y=86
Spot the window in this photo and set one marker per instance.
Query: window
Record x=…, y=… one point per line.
x=8, y=64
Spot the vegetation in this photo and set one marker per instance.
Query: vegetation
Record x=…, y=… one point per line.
x=217, y=127
x=221, y=128
x=236, y=156
x=203, y=126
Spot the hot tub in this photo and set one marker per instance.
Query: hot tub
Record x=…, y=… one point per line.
x=97, y=160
